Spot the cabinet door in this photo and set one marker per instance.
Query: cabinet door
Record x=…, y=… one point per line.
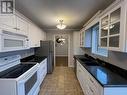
x=82, y=35
x=82, y=77
x=8, y=22
x=104, y=31
x=114, y=29
x=33, y=36
x=80, y=39
x=78, y=72
x=22, y=26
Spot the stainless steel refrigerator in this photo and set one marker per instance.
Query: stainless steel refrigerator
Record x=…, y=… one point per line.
x=47, y=49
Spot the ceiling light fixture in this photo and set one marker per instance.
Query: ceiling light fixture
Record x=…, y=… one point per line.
x=61, y=26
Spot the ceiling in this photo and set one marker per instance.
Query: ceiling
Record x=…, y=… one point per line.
x=46, y=13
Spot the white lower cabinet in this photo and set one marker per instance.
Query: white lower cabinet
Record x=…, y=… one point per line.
x=42, y=71
x=88, y=84
x=91, y=87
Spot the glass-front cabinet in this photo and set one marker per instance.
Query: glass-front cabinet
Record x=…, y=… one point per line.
x=104, y=31
x=112, y=28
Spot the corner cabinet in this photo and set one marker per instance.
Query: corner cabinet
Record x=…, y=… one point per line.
x=113, y=27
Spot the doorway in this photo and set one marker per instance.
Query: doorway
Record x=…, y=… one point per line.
x=61, y=50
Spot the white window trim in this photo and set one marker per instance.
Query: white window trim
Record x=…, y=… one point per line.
x=95, y=40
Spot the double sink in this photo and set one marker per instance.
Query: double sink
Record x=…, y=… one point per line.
x=88, y=62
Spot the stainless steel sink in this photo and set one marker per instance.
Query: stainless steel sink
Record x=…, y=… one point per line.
x=91, y=63
x=84, y=59
x=88, y=62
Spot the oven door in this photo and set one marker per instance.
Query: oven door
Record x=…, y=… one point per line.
x=29, y=85
x=11, y=41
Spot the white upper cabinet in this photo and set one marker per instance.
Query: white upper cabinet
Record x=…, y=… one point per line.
x=8, y=22
x=14, y=23
x=35, y=35
x=19, y=24
x=82, y=31
x=22, y=26
x=85, y=38
x=86, y=32
x=113, y=27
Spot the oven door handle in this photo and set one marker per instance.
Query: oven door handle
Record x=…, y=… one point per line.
x=26, y=78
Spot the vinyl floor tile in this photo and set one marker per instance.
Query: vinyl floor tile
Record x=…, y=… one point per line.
x=62, y=82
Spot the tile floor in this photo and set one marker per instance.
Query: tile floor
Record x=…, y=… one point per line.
x=62, y=82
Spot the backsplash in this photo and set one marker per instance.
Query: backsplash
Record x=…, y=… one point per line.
x=23, y=53
x=116, y=58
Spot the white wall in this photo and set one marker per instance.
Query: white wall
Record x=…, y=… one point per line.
x=61, y=50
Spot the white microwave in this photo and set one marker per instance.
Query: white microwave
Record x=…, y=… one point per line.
x=10, y=41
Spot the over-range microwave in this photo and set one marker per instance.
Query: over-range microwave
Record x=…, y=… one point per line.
x=10, y=41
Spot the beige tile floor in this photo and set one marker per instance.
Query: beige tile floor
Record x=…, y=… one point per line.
x=62, y=82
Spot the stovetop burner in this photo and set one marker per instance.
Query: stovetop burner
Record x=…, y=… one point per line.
x=33, y=58
x=16, y=71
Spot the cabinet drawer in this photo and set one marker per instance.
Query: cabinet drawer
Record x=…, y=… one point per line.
x=90, y=91
x=95, y=86
x=93, y=82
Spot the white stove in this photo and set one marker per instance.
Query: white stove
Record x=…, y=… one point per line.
x=17, y=78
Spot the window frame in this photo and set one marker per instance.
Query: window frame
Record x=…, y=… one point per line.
x=95, y=42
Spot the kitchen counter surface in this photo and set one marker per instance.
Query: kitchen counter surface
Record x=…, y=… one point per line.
x=33, y=58
x=103, y=75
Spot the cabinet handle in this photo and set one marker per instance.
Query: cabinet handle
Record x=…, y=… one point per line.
x=15, y=28
x=27, y=39
x=18, y=28
x=91, y=80
x=91, y=89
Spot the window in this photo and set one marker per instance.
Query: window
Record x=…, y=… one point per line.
x=95, y=42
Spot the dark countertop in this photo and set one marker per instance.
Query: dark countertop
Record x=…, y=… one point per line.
x=103, y=75
x=33, y=58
